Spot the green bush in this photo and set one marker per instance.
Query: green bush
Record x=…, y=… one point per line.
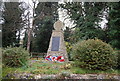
x=68, y=49
x=15, y=57
x=94, y=54
x=118, y=58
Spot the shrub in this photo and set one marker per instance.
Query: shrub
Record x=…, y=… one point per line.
x=118, y=58
x=94, y=54
x=68, y=49
x=15, y=57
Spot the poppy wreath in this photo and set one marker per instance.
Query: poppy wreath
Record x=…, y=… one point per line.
x=55, y=58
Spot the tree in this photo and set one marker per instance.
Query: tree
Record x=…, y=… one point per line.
x=114, y=25
x=25, y=40
x=42, y=36
x=39, y=13
x=67, y=34
x=12, y=23
x=87, y=17
x=46, y=9
x=44, y=13
x=1, y=22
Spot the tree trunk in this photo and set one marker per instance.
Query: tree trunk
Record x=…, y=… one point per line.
x=29, y=39
x=30, y=30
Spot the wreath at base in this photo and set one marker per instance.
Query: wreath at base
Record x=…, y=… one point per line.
x=55, y=58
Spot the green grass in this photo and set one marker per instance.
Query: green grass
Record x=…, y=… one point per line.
x=44, y=67
x=7, y=70
x=37, y=67
x=77, y=70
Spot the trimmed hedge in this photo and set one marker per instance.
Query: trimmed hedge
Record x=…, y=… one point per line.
x=94, y=54
x=15, y=57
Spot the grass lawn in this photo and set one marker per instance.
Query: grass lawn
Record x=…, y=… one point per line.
x=41, y=66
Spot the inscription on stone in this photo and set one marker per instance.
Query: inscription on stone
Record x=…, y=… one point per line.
x=55, y=43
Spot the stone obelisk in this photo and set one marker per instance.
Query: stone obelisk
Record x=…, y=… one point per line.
x=57, y=44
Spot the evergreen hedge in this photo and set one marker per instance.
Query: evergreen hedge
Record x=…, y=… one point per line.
x=94, y=54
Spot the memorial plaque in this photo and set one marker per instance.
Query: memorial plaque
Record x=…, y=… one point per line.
x=55, y=43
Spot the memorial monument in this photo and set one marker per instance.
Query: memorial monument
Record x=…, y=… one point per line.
x=57, y=44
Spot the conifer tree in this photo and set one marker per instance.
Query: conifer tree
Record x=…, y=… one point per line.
x=114, y=24
x=12, y=23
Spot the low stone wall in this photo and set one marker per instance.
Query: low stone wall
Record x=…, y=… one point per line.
x=59, y=76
